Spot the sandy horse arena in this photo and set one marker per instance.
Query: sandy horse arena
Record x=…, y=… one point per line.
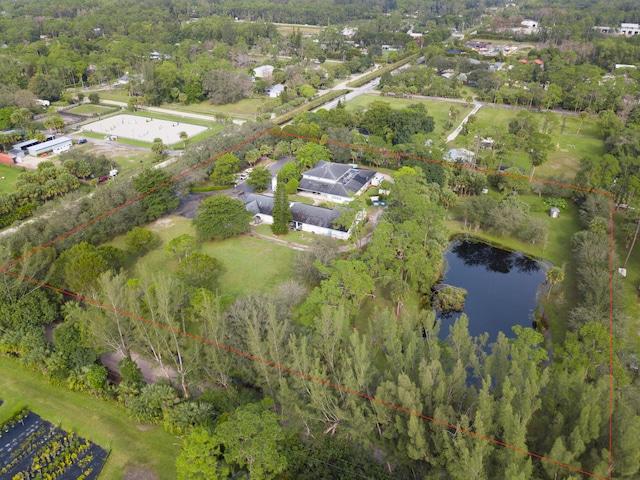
x=143, y=128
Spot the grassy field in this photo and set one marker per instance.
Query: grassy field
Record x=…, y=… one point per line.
x=89, y=109
x=250, y=264
x=116, y=95
x=630, y=296
x=8, y=177
x=244, y=108
x=98, y=420
x=439, y=110
x=286, y=29
x=569, y=146
x=133, y=161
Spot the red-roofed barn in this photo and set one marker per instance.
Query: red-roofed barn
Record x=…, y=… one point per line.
x=7, y=159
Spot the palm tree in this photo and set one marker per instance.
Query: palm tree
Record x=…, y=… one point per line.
x=157, y=147
x=583, y=116
x=21, y=117
x=183, y=137
x=554, y=275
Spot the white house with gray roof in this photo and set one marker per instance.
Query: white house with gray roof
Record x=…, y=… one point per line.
x=276, y=167
x=335, y=182
x=306, y=218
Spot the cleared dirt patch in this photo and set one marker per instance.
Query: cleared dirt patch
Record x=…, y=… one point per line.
x=135, y=472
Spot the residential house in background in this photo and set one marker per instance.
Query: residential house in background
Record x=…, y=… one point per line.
x=629, y=29
x=263, y=71
x=276, y=167
x=274, y=91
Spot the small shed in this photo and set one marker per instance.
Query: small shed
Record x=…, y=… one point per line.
x=554, y=212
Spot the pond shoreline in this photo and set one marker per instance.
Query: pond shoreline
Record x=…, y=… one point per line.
x=503, y=284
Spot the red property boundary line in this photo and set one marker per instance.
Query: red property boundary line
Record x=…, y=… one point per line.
x=4, y=270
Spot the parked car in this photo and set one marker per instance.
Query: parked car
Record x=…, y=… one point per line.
x=81, y=141
x=103, y=179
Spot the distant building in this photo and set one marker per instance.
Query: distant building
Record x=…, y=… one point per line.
x=349, y=31
x=603, y=30
x=20, y=149
x=57, y=145
x=629, y=29
x=263, y=71
x=159, y=56
x=461, y=156
x=275, y=91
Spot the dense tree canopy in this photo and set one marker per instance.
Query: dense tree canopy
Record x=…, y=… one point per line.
x=221, y=217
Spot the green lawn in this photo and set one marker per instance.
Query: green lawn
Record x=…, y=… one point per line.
x=244, y=108
x=439, y=110
x=115, y=95
x=250, y=264
x=569, y=146
x=630, y=298
x=89, y=109
x=98, y=420
x=8, y=177
x=133, y=161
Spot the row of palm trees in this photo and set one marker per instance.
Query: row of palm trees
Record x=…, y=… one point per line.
x=23, y=119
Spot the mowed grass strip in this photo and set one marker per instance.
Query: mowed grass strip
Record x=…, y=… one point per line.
x=100, y=421
x=250, y=264
x=246, y=107
x=90, y=109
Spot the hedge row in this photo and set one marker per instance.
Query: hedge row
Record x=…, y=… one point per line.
x=378, y=73
x=316, y=102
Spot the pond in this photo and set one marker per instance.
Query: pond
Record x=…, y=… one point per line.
x=501, y=287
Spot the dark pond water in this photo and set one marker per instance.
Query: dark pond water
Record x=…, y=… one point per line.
x=502, y=287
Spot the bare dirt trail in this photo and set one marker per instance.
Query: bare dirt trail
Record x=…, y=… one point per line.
x=150, y=370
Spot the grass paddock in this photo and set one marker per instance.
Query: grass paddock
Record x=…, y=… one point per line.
x=250, y=264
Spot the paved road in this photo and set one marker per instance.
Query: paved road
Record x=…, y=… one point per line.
x=452, y=136
x=365, y=89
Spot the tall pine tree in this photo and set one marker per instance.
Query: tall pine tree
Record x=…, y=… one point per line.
x=281, y=211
